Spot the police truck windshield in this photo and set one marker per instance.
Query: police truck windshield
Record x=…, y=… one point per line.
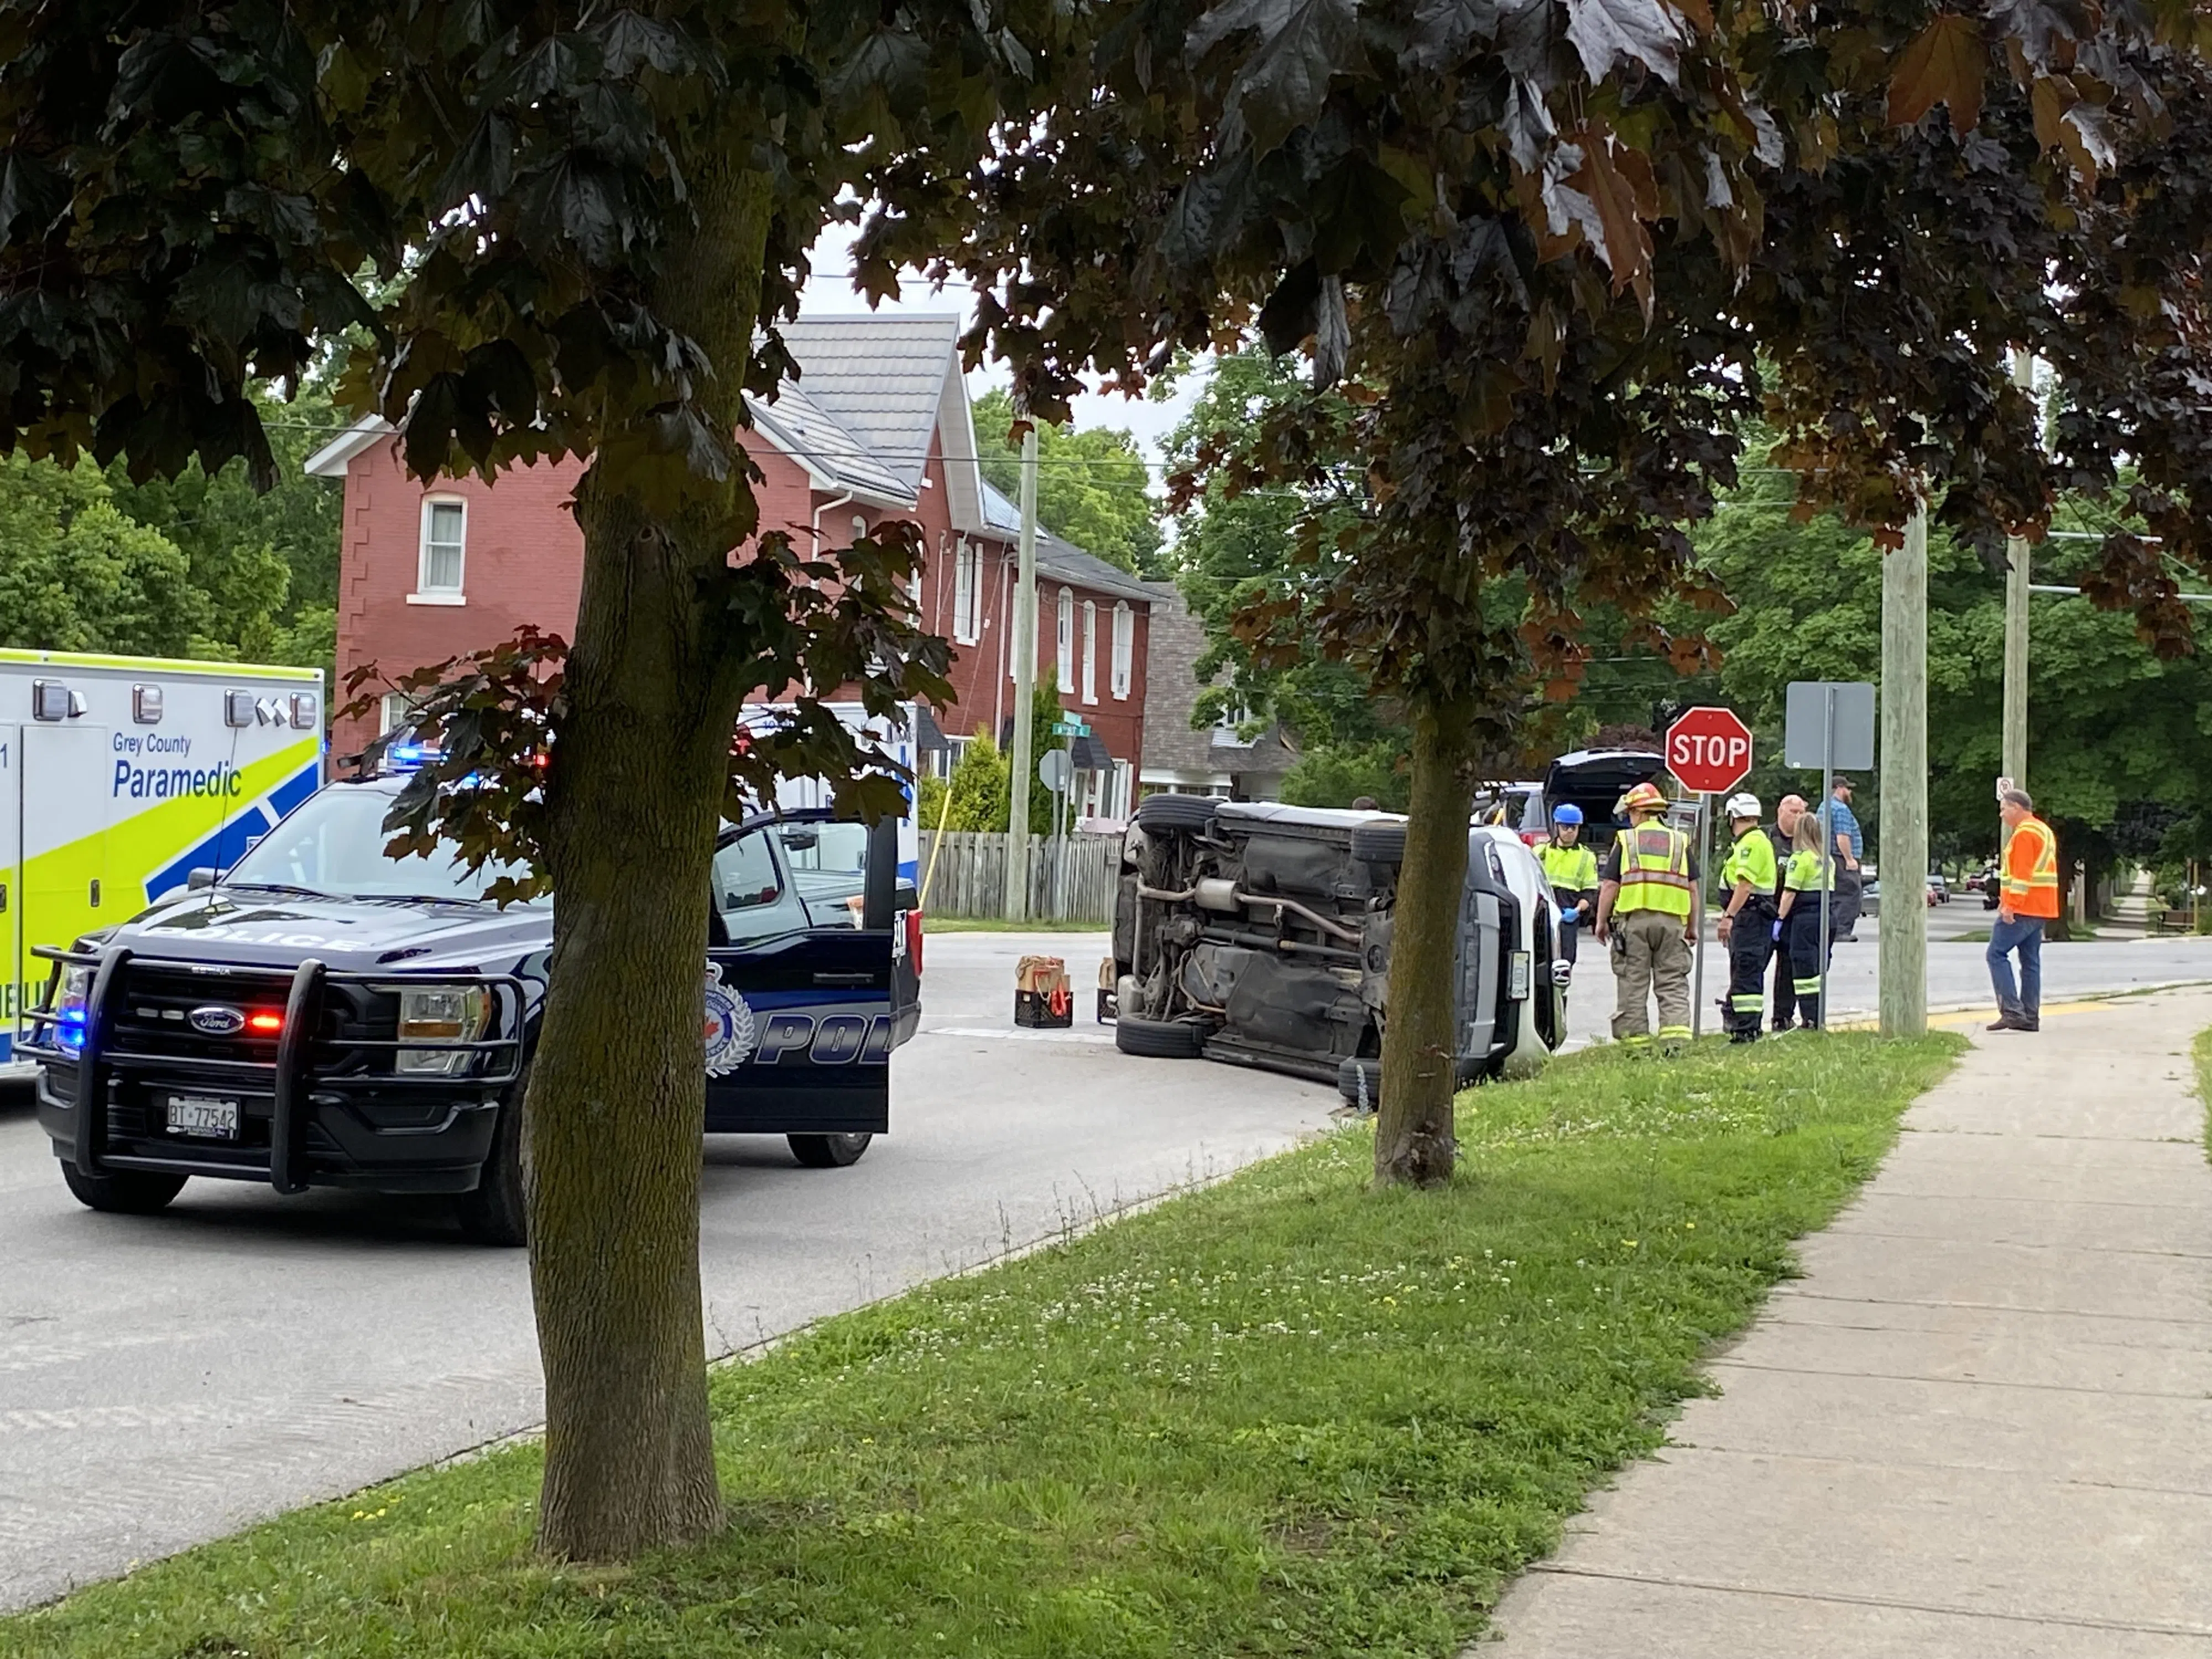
x=334, y=845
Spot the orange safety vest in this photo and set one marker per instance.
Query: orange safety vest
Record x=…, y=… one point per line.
x=2031, y=877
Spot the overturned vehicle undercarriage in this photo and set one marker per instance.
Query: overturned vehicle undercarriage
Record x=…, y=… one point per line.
x=1259, y=934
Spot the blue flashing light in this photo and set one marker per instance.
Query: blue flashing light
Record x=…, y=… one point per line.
x=69, y=1029
x=408, y=756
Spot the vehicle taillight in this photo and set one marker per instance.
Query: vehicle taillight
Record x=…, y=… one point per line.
x=913, y=941
x=1532, y=838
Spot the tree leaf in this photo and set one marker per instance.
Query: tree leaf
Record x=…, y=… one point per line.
x=1622, y=195
x=1944, y=65
x=1641, y=31
x=1301, y=45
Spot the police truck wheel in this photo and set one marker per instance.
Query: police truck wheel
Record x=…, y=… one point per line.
x=125, y=1192
x=1159, y=1039
x=1379, y=843
x=495, y=1212
x=828, y=1152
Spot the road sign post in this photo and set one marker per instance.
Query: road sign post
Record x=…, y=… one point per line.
x=1829, y=723
x=1708, y=751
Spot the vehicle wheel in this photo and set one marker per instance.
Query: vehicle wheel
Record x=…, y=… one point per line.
x=1175, y=812
x=1379, y=843
x=496, y=1213
x=1159, y=1039
x=126, y=1192
x=1354, y=1075
x=828, y=1152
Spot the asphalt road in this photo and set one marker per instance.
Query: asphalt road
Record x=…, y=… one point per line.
x=170, y=1379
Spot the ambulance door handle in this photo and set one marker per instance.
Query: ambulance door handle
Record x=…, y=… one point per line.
x=3, y=898
x=96, y=892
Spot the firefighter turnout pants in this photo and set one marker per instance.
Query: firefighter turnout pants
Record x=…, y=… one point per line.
x=1650, y=959
x=1801, y=938
x=1751, y=942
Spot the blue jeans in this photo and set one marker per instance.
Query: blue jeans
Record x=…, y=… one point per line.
x=2024, y=935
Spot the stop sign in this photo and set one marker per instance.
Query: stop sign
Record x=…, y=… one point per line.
x=1709, y=750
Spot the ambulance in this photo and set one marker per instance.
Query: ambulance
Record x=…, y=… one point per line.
x=121, y=775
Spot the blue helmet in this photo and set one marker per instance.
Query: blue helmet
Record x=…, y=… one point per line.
x=1566, y=815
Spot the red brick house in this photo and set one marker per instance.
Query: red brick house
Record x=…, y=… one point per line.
x=877, y=428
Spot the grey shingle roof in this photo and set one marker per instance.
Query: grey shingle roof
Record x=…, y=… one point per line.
x=803, y=430
x=1064, y=560
x=881, y=379
x=1173, y=644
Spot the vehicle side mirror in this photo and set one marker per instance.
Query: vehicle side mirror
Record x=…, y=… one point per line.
x=202, y=878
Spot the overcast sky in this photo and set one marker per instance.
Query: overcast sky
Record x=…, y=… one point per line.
x=830, y=293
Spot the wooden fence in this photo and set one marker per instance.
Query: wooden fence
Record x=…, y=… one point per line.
x=1072, y=877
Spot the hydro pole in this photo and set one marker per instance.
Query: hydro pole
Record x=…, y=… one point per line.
x=1903, y=950
x=2014, y=752
x=1019, y=757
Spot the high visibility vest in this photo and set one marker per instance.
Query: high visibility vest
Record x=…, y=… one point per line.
x=1803, y=875
x=2031, y=877
x=1752, y=860
x=1573, y=869
x=1655, y=871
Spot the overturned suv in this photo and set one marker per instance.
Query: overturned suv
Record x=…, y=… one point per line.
x=1259, y=934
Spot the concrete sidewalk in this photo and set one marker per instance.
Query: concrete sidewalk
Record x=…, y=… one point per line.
x=1981, y=1425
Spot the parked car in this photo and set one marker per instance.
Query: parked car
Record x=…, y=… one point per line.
x=323, y=1015
x=1259, y=934
x=1939, y=889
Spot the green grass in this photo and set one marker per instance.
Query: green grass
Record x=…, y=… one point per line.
x=931, y=924
x=2202, y=1049
x=1280, y=1415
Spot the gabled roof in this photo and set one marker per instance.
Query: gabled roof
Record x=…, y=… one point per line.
x=832, y=456
x=1064, y=560
x=881, y=379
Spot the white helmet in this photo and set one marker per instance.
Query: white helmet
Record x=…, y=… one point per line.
x=1742, y=805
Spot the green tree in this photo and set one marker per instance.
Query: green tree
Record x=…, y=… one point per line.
x=79, y=575
x=1092, y=486
x=978, y=787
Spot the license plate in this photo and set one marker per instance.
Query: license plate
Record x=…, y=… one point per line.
x=201, y=1115
x=1517, y=970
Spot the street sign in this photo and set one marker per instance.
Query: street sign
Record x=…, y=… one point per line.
x=1053, y=768
x=1808, y=742
x=1709, y=751
x=1071, y=728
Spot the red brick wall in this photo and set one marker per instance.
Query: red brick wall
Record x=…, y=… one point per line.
x=524, y=563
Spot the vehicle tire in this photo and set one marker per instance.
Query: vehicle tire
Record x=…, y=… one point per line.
x=828, y=1152
x=495, y=1212
x=1379, y=843
x=125, y=1192
x=1159, y=1039
x=1175, y=812
x=1349, y=1079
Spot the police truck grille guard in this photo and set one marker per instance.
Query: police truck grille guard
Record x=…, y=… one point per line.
x=306, y=1064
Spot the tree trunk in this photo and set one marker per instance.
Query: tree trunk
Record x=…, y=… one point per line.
x=1414, y=1139
x=617, y=1090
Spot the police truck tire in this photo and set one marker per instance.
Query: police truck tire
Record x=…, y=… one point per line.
x=1379, y=843
x=828, y=1152
x=1159, y=1039
x=495, y=1213
x=125, y=1192
x=1175, y=812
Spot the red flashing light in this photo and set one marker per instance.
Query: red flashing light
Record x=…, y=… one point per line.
x=265, y=1025
x=913, y=941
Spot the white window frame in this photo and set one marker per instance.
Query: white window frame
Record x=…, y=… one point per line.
x=966, y=593
x=1124, y=650
x=1090, y=651
x=424, y=593
x=1064, y=637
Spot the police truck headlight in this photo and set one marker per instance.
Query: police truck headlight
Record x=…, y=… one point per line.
x=69, y=999
x=441, y=1013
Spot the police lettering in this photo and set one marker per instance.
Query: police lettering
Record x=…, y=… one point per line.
x=177, y=782
x=836, y=1039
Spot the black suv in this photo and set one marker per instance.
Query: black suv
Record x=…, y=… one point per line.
x=324, y=1016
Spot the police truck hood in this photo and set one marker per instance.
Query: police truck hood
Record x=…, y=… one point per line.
x=252, y=926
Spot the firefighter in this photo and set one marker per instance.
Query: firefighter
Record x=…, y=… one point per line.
x=1747, y=926
x=1801, y=936
x=1571, y=868
x=1644, y=896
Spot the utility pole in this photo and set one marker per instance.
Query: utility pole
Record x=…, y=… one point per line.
x=2015, y=624
x=1903, y=960
x=1022, y=761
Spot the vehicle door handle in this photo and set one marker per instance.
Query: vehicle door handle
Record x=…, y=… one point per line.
x=844, y=979
x=96, y=892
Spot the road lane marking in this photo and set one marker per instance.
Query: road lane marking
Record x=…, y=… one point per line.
x=1018, y=1034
